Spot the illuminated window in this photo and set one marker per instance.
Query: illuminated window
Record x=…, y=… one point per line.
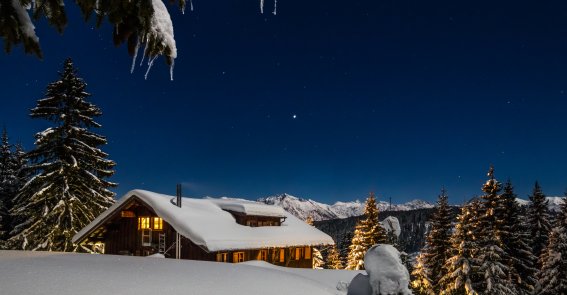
x=252, y=223
x=127, y=214
x=222, y=257
x=143, y=222
x=282, y=255
x=307, y=252
x=262, y=255
x=158, y=223
x=237, y=257
x=298, y=253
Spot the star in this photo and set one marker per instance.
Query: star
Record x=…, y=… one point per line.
x=294, y=116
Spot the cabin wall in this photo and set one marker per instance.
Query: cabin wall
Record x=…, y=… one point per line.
x=124, y=238
x=273, y=256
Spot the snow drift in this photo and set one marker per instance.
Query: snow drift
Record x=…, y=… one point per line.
x=51, y=273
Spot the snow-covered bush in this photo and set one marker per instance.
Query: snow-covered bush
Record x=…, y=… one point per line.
x=386, y=273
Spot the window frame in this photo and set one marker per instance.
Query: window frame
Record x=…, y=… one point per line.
x=222, y=257
x=240, y=257
x=160, y=223
x=298, y=253
x=144, y=222
x=282, y=255
x=307, y=252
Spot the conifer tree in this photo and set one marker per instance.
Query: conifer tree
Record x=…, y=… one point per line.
x=135, y=22
x=539, y=221
x=553, y=275
x=492, y=259
x=367, y=233
x=437, y=245
x=421, y=277
x=357, y=249
x=516, y=243
x=68, y=189
x=344, y=247
x=373, y=233
x=318, y=261
x=334, y=259
x=461, y=276
x=9, y=183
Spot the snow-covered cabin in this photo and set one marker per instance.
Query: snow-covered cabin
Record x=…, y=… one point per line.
x=144, y=223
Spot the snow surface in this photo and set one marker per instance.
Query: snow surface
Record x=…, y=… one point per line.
x=392, y=224
x=52, y=273
x=302, y=208
x=332, y=278
x=249, y=207
x=205, y=223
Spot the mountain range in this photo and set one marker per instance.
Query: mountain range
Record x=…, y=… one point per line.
x=302, y=208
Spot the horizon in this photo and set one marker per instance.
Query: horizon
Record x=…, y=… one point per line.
x=322, y=101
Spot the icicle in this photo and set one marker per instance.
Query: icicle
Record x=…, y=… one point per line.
x=262, y=6
x=191, y=4
x=145, y=51
x=135, y=56
x=275, y=7
x=150, y=64
x=171, y=70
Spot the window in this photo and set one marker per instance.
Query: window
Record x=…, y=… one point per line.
x=222, y=257
x=143, y=222
x=262, y=255
x=307, y=252
x=252, y=223
x=127, y=214
x=237, y=257
x=282, y=255
x=158, y=223
x=298, y=253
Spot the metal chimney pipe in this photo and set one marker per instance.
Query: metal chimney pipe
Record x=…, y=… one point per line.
x=177, y=235
x=179, y=195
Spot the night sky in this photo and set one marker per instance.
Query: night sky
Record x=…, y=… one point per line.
x=325, y=100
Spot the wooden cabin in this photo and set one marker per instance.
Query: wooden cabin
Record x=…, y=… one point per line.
x=143, y=223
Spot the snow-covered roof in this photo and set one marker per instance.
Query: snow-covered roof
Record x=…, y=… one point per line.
x=248, y=207
x=206, y=224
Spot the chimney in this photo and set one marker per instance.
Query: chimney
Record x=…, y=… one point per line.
x=177, y=235
x=178, y=195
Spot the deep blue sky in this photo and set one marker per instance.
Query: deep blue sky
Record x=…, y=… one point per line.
x=396, y=97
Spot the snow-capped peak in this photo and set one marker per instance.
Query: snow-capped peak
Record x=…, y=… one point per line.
x=554, y=203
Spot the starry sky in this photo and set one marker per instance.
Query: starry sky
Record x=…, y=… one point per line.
x=325, y=100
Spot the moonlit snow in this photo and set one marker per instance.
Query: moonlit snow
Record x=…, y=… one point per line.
x=51, y=273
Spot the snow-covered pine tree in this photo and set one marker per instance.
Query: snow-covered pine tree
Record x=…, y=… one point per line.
x=374, y=232
x=9, y=183
x=437, y=244
x=538, y=219
x=318, y=261
x=344, y=247
x=492, y=259
x=461, y=276
x=135, y=23
x=334, y=259
x=421, y=282
x=367, y=233
x=357, y=249
x=553, y=275
x=69, y=188
x=516, y=243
